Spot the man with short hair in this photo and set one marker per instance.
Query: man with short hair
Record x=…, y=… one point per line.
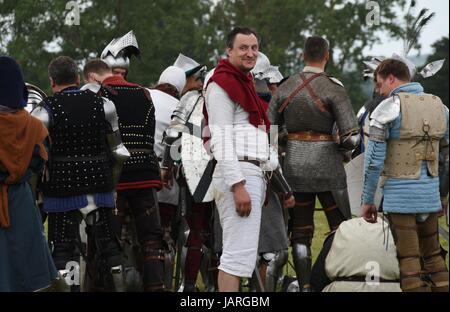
x=309, y=105
x=94, y=72
x=79, y=181
x=233, y=107
x=408, y=132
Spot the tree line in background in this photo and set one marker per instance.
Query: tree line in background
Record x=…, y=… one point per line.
x=34, y=32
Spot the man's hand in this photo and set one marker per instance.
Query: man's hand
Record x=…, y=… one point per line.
x=369, y=213
x=242, y=200
x=289, y=202
x=166, y=178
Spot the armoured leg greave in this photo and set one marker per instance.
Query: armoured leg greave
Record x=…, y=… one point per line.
x=275, y=264
x=213, y=273
x=99, y=227
x=63, y=237
x=193, y=260
x=169, y=262
x=332, y=207
x=432, y=255
x=301, y=238
x=153, y=266
x=65, y=245
x=150, y=236
x=404, y=230
x=104, y=252
x=198, y=218
x=301, y=255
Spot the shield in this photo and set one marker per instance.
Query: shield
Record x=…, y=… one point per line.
x=198, y=164
x=355, y=179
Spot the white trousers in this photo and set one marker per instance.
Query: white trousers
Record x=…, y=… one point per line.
x=240, y=234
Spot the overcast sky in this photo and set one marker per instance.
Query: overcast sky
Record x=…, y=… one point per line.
x=436, y=29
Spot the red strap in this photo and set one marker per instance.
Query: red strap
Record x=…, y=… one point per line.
x=296, y=91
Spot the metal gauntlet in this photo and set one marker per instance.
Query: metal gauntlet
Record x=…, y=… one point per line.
x=171, y=137
x=279, y=183
x=350, y=140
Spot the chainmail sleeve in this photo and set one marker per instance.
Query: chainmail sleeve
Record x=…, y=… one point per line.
x=342, y=110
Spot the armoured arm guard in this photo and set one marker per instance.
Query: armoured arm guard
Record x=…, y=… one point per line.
x=180, y=117
x=382, y=116
x=42, y=114
x=346, y=121
x=185, y=107
x=171, y=136
x=119, y=150
x=386, y=112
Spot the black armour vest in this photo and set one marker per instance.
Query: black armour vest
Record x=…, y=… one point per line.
x=136, y=114
x=80, y=160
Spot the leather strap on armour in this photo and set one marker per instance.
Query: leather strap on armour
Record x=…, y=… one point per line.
x=296, y=91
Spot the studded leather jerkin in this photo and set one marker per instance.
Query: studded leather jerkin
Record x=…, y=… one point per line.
x=136, y=114
x=80, y=159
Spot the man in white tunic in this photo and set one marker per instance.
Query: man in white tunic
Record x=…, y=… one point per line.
x=238, y=123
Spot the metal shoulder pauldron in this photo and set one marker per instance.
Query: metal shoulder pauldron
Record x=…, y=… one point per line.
x=386, y=112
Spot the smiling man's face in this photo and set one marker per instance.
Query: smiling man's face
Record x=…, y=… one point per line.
x=244, y=52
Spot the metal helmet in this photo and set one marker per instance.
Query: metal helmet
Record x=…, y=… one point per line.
x=119, y=51
x=35, y=96
x=188, y=65
x=371, y=66
x=264, y=70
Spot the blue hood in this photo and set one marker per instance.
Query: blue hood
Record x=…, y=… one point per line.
x=13, y=92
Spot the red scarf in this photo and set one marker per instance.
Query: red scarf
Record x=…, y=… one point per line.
x=118, y=80
x=241, y=90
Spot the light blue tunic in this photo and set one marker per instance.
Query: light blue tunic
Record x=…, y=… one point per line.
x=400, y=195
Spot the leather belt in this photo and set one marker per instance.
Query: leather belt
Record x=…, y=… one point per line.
x=310, y=136
x=357, y=278
x=254, y=162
